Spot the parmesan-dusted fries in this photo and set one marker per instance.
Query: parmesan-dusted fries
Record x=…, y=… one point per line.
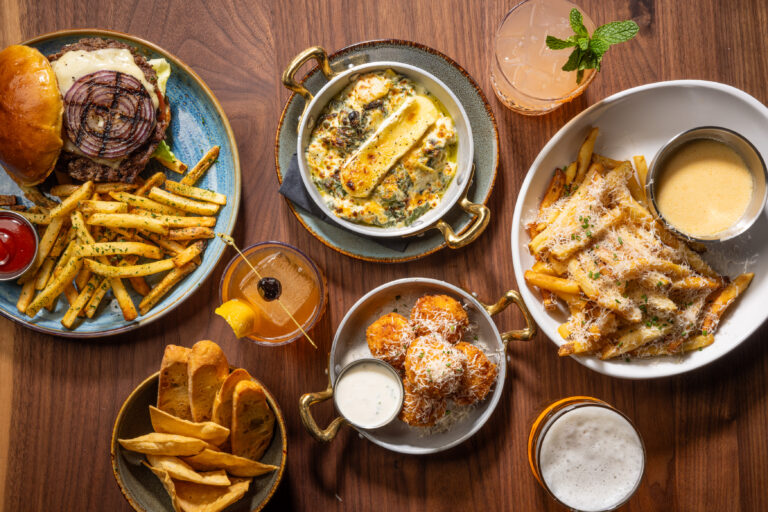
x=633, y=289
x=183, y=203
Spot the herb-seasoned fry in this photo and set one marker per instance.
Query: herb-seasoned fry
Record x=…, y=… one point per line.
x=175, y=221
x=183, y=203
x=128, y=221
x=56, y=286
x=203, y=165
x=164, y=286
x=99, y=188
x=188, y=254
x=190, y=233
x=90, y=206
x=145, y=269
x=155, y=180
x=144, y=203
x=121, y=248
x=195, y=193
x=69, y=204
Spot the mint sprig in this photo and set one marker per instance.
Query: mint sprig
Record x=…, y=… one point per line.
x=588, y=51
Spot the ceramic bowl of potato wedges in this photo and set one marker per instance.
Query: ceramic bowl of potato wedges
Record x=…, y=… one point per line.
x=199, y=435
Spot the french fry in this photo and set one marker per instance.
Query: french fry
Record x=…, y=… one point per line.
x=145, y=269
x=37, y=197
x=27, y=293
x=633, y=337
x=190, y=233
x=127, y=221
x=170, y=246
x=608, y=163
x=77, y=308
x=155, y=180
x=188, y=254
x=203, y=165
x=183, y=203
x=98, y=295
x=175, y=221
x=200, y=194
x=642, y=169
x=121, y=248
x=90, y=206
x=552, y=283
x=168, y=282
x=68, y=205
x=144, y=203
x=44, y=274
x=570, y=172
x=56, y=287
x=7, y=200
x=140, y=286
x=585, y=156
x=721, y=302
x=100, y=188
x=44, y=247
x=174, y=164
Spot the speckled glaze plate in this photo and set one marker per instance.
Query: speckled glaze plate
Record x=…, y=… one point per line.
x=482, y=122
x=197, y=123
x=142, y=488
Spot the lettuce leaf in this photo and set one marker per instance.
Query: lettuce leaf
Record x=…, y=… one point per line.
x=163, y=70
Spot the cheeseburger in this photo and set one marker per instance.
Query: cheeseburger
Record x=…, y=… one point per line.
x=96, y=111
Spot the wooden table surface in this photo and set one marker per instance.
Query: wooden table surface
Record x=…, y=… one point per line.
x=706, y=432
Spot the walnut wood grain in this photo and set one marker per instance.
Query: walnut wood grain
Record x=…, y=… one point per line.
x=706, y=432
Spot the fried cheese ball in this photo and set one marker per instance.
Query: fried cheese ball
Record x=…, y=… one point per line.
x=439, y=314
x=388, y=339
x=477, y=380
x=433, y=367
x=420, y=410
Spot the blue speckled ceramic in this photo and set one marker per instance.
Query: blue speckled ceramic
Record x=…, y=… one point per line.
x=484, y=132
x=198, y=122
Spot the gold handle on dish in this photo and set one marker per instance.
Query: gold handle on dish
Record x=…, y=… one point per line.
x=482, y=218
x=513, y=296
x=309, y=422
x=289, y=79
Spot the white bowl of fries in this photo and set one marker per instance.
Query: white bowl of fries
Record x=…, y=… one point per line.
x=607, y=284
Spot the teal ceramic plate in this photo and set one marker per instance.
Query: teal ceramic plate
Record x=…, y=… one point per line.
x=197, y=123
x=484, y=133
x=141, y=487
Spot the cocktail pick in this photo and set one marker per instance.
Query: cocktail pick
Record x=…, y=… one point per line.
x=231, y=242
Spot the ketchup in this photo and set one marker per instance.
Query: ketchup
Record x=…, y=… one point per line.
x=17, y=244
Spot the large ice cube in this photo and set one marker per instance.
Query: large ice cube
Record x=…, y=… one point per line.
x=297, y=286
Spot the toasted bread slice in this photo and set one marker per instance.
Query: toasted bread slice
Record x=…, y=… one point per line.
x=222, y=406
x=208, y=368
x=172, y=395
x=253, y=422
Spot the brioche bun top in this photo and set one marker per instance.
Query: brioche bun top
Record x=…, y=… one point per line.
x=31, y=109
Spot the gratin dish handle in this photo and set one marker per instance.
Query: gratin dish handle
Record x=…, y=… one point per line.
x=513, y=296
x=289, y=75
x=308, y=400
x=482, y=218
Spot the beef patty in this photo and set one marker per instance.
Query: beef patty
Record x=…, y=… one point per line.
x=83, y=168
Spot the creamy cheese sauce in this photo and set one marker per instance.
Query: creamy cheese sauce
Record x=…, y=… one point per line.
x=368, y=395
x=704, y=188
x=591, y=458
x=76, y=64
x=413, y=186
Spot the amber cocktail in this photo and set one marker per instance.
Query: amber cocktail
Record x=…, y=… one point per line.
x=287, y=289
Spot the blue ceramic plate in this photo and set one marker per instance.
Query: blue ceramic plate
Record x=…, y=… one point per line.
x=197, y=123
x=484, y=134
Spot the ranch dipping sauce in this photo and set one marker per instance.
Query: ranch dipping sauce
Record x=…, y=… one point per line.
x=368, y=395
x=704, y=188
x=591, y=458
